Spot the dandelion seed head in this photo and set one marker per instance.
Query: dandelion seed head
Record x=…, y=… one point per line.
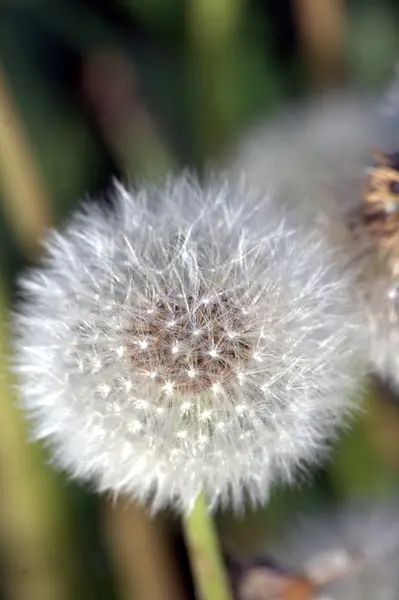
x=323, y=151
x=188, y=339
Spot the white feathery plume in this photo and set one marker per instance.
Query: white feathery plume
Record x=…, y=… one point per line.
x=188, y=339
x=350, y=553
x=324, y=152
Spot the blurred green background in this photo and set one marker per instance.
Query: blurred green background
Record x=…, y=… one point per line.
x=132, y=88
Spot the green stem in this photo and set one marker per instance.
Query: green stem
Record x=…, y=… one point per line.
x=126, y=126
x=214, y=21
x=206, y=562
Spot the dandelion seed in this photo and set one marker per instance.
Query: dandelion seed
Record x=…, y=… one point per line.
x=135, y=427
x=104, y=389
x=179, y=267
x=216, y=388
x=168, y=388
x=206, y=414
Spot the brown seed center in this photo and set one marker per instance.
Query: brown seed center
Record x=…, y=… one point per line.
x=188, y=345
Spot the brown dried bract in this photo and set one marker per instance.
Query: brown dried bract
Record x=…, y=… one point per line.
x=378, y=214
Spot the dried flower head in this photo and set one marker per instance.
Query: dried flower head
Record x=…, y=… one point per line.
x=348, y=554
x=188, y=339
x=330, y=145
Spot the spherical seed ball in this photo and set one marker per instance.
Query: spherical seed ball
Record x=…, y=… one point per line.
x=323, y=151
x=350, y=553
x=187, y=339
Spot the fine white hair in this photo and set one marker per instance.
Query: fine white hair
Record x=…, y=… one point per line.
x=187, y=339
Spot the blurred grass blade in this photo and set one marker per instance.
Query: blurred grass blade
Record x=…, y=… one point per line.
x=212, y=27
x=141, y=553
x=125, y=125
x=358, y=467
x=41, y=560
x=321, y=28
x=25, y=201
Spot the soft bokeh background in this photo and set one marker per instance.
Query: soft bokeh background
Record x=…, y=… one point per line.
x=90, y=90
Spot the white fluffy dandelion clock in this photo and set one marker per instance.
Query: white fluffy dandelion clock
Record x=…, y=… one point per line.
x=187, y=340
x=352, y=193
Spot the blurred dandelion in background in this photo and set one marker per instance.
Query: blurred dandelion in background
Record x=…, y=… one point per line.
x=323, y=151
